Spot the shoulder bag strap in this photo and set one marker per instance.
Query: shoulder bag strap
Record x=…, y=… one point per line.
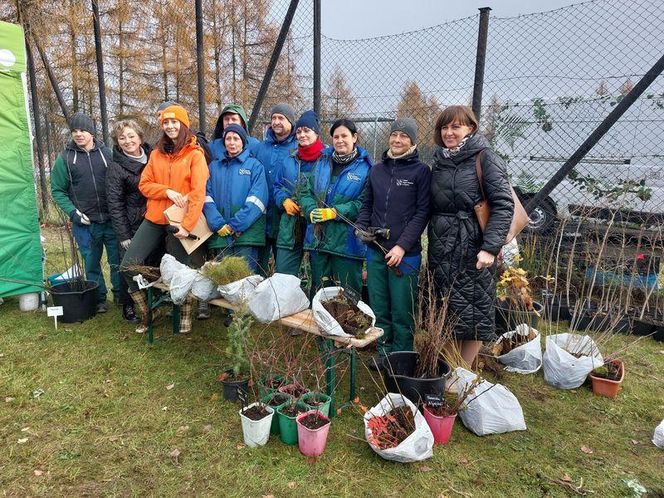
x=480, y=176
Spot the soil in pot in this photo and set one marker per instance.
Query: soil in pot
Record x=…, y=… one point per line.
x=313, y=421
x=391, y=429
x=441, y=410
x=610, y=370
x=276, y=399
x=352, y=320
x=607, y=380
x=256, y=412
x=290, y=410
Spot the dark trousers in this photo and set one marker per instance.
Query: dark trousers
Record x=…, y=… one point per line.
x=330, y=270
x=91, y=240
x=264, y=254
x=149, y=237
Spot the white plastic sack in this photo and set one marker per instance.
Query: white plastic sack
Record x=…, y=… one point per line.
x=490, y=408
x=240, y=290
x=564, y=370
x=525, y=359
x=181, y=284
x=277, y=297
x=416, y=447
x=168, y=266
x=203, y=288
x=326, y=322
x=658, y=436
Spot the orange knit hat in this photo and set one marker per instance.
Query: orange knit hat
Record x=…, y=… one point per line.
x=175, y=112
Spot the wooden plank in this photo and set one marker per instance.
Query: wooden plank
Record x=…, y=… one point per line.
x=304, y=320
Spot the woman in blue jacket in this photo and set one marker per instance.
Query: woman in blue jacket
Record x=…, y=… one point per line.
x=235, y=198
x=331, y=203
x=290, y=180
x=396, y=199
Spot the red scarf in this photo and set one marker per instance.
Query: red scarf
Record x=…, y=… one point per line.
x=310, y=152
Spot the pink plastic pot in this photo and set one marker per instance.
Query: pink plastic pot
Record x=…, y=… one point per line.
x=312, y=441
x=440, y=426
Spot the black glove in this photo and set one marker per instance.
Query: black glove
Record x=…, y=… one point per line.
x=364, y=236
x=79, y=218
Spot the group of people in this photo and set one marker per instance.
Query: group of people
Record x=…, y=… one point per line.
x=271, y=201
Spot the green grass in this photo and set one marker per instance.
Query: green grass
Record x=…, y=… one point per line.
x=107, y=423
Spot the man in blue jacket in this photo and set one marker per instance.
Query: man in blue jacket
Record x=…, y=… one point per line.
x=272, y=152
x=396, y=199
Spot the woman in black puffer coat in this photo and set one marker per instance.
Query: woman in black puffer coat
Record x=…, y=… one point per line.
x=126, y=204
x=461, y=257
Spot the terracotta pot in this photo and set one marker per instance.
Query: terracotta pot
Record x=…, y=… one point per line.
x=607, y=387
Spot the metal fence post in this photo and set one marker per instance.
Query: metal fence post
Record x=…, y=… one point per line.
x=100, y=70
x=317, y=44
x=480, y=60
x=281, y=39
x=200, y=66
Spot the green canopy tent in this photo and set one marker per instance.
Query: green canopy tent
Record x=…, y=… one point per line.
x=21, y=269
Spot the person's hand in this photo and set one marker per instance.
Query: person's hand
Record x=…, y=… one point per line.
x=225, y=231
x=125, y=244
x=291, y=207
x=484, y=260
x=178, y=199
x=79, y=218
x=181, y=233
x=364, y=236
x=319, y=215
x=394, y=256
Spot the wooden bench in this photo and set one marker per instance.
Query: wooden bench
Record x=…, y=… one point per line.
x=329, y=346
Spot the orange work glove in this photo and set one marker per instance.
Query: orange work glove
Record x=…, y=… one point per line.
x=291, y=207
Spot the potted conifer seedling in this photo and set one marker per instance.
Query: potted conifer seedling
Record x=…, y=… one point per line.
x=237, y=377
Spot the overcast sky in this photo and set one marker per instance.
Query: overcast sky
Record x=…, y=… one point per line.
x=367, y=18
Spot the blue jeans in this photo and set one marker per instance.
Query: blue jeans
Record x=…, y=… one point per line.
x=91, y=240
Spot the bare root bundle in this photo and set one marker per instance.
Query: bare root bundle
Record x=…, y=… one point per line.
x=151, y=273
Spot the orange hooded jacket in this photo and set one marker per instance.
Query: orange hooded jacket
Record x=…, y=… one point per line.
x=185, y=172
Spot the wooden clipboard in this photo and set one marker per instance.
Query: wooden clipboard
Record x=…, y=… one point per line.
x=175, y=215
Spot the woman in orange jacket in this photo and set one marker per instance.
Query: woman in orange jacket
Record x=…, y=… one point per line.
x=175, y=174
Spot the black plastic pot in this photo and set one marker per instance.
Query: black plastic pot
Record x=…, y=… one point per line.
x=78, y=300
x=642, y=327
x=603, y=322
x=507, y=318
x=658, y=329
x=399, y=375
x=232, y=387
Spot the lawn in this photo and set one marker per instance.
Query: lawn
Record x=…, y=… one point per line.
x=91, y=409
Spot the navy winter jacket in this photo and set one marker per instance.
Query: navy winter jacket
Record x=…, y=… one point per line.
x=397, y=197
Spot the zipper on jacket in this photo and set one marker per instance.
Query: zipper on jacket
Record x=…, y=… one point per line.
x=387, y=196
x=94, y=183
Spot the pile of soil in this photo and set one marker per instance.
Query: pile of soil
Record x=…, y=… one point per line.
x=277, y=399
x=352, y=320
x=507, y=345
x=295, y=390
x=256, y=412
x=390, y=430
x=314, y=421
x=291, y=410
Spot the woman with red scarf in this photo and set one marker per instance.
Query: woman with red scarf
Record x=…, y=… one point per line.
x=288, y=185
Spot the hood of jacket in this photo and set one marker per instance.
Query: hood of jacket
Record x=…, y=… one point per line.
x=234, y=108
x=131, y=165
x=410, y=159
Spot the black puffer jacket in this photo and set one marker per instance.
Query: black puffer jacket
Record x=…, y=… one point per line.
x=455, y=237
x=125, y=202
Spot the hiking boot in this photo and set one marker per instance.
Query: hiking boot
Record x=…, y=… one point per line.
x=102, y=307
x=203, y=310
x=129, y=313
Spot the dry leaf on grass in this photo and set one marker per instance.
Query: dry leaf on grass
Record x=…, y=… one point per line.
x=240, y=446
x=175, y=455
x=39, y=473
x=463, y=461
x=207, y=428
x=292, y=484
x=268, y=496
x=214, y=397
x=164, y=409
x=566, y=478
x=170, y=386
x=424, y=468
x=586, y=450
x=183, y=428
x=23, y=440
x=9, y=399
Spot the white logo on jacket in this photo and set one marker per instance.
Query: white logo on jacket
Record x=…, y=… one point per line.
x=352, y=177
x=403, y=183
x=244, y=171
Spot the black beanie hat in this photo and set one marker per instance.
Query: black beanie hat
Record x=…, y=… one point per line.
x=236, y=128
x=81, y=121
x=310, y=120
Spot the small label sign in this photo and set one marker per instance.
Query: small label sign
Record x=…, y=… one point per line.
x=434, y=400
x=54, y=311
x=352, y=295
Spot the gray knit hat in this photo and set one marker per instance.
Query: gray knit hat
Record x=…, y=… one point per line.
x=286, y=110
x=408, y=126
x=81, y=121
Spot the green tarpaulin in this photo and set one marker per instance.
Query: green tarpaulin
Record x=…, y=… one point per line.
x=20, y=246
